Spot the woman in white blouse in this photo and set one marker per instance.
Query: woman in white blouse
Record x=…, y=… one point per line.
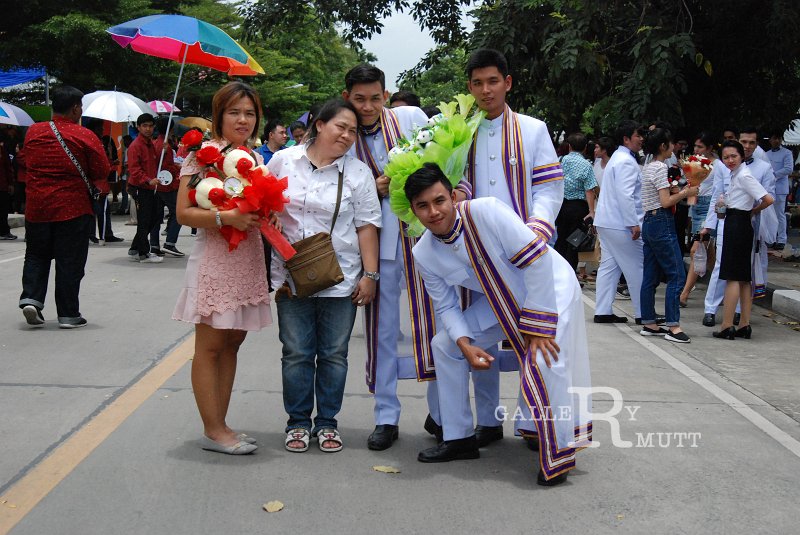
x=745, y=198
x=315, y=331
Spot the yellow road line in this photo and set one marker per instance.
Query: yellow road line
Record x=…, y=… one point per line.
x=20, y=499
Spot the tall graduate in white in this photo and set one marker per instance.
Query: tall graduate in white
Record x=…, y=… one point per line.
x=526, y=294
x=618, y=219
x=512, y=160
x=379, y=130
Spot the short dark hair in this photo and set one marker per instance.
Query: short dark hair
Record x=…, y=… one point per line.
x=65, y=97
x=735, y=144
x=161, y=125
x=625, y=129
x=145, y=118
x=707, y=139
x=486, y=57
x=577, y=141
x=328, y=111
x=431, y=111
x=607, y=144
x=731, y=129
x=776, y=133
x=272, y=124
x=364, y=74
x=405, y=96
x=423, y=178
x=298, y=124
x=655, y=138
x=748, y=130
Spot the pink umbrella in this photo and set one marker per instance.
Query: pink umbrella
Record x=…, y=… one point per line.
x=162, y=106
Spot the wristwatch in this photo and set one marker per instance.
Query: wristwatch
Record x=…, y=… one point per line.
x=374, y=275
x=218, y=219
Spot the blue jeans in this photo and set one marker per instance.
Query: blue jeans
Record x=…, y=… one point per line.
x=315, y=333
x=662, y=257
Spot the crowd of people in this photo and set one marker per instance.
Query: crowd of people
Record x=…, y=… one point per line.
x=494, y=284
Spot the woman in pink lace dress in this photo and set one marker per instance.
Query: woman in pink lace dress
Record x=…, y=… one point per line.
x=225, y=293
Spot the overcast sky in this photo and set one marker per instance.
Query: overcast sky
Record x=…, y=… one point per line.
x=400, y=46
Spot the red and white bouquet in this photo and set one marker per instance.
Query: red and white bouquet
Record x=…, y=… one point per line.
x=233, y=180
x=696, y=169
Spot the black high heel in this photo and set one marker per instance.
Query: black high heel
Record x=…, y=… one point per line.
x=744, y=332
x=729, y=333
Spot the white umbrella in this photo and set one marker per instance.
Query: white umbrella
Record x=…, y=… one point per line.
x=792, y=134
x=162, y=106
x=114, y=106
x=10, y=114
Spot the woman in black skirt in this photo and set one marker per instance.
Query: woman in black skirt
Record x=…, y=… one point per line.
x=737, y=252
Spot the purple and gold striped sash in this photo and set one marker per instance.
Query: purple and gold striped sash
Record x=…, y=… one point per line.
x=552, y=459
x=420, y=306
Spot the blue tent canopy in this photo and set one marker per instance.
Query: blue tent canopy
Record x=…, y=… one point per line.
x=20, y=76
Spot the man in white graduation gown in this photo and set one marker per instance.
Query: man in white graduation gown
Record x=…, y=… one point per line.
x=618, y=220
x=512, y=160
x=526, y=294
x=379, y=130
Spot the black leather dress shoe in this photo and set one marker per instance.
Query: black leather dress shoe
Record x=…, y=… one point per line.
x=114, y=239
x=451, y=450
x=540, y=480
x=485, y=435
x=532, y=442
x=709, y=320
x=383, y=437
x=609, y=318
x=433, y=428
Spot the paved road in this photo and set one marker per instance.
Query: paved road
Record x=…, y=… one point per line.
x=99, y=429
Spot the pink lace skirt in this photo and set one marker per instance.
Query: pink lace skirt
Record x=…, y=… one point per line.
x=246, y=317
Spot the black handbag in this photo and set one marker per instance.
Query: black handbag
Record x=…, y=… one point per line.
x=582, y=238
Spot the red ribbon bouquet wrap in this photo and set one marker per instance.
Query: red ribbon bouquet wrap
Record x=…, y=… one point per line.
x=235, y=181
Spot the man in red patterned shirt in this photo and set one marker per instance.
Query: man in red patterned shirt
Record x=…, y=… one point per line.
x=59, y=215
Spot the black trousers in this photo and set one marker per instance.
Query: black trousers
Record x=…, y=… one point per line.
x=5, y=205
x=568, y=219
x=66, y=242
x=147, y=205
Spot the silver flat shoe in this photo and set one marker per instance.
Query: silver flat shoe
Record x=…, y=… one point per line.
x=240, y=448
x=246, y=438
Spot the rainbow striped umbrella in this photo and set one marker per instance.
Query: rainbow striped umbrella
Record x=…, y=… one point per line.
x=185, y=40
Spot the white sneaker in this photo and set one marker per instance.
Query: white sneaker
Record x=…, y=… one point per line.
x=151, y=258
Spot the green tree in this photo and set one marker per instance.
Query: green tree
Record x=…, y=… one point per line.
x=441, y=82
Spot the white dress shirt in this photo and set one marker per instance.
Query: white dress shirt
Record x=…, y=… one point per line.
x=312, y=201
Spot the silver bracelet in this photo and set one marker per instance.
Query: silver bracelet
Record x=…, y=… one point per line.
x=218, y=219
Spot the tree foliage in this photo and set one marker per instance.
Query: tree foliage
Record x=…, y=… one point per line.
x=444, y=79
x=69, y=39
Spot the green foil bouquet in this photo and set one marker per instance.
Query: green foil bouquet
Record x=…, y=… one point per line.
x=445, y=141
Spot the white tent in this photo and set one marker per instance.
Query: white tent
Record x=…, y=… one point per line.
x=792, y=134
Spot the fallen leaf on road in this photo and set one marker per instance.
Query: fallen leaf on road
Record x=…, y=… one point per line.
x=386, y=469
x=114, y=280
x=768, y=314
x=620, y=517
x=796, y=329
x=778, y=322
x=273, y=506
x=792, y=323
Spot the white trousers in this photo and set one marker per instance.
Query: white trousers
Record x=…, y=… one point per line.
x=621, y=254
x=716, y=288
x=780, y=208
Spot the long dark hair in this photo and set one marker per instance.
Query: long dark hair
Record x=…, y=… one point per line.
x=655, y=138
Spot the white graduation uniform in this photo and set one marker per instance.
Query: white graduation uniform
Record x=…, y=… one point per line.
x=513, y=160
x=382, y=318
x=523, y=287
x=618, y=210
